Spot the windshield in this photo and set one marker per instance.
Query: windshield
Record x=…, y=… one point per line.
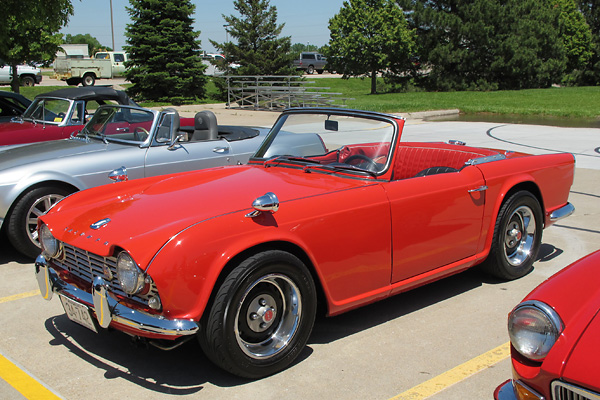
x=53, y=111
x=337, y=141
x=118, y=123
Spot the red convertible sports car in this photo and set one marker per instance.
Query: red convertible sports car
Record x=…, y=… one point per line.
x=333, y=207
x=554, y=335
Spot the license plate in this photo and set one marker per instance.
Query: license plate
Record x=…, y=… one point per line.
x=78, y=313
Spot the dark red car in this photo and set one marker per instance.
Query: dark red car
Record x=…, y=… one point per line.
x=57, y=114
x=554, y=335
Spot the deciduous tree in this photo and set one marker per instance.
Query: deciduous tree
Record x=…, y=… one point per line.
x=93, y=44
x=29, y=32
x=164, y=51
x=368, y=37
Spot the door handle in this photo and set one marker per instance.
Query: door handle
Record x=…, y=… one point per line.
x=122, y=129
x=479, y=189
x=221, y=150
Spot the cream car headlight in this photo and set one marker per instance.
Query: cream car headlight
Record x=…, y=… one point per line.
x=533, y=328
x=50, y=245
x=130, y=276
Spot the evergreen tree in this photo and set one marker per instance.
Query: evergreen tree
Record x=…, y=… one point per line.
x=164, y=56
x=488, y=44
x=258, y=49
x=29, y=32
x=368, y=37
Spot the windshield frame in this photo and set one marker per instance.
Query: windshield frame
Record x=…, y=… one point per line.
x=88, y=134
x=34, y=105
x=287, y=160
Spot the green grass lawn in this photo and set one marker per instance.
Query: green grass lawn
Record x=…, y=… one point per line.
x=576, y=102
x=581, y=102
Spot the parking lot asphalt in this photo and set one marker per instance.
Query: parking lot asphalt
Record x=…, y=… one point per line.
x=446, y=340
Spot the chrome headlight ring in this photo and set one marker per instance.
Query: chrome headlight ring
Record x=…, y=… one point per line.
x=534, y=327
x=130, y=276
x=51, y=247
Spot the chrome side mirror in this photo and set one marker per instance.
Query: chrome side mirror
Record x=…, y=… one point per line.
x=119, y=175
x=265, y=203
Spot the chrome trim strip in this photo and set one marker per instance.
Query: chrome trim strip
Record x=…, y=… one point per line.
x=108, y=308
x=562, y=212
x=506, y=391
x=486, y=159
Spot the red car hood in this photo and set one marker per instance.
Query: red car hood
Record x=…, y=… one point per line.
x=145, y=213
x=582, y=365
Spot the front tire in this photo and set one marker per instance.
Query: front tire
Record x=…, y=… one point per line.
x=22, y=222
x=517, y=237
x=27, y=81
x=262, y=315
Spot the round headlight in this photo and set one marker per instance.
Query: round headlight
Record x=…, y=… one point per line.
x=533, y=328
x=129, y=274
x=50, y=246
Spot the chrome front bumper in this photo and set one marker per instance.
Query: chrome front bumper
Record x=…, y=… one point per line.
x=107, y=308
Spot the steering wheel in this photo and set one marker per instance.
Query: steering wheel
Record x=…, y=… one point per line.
x=372, y=165
x=140, y=134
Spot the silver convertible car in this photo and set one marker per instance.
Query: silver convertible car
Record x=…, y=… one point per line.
x=125, y=142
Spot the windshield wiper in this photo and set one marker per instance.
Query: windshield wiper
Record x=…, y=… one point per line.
x=278, y=159
x=344, y=167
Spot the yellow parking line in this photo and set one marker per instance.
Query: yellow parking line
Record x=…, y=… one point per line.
x=19, y=296
x=456, y=374
x=23, y=383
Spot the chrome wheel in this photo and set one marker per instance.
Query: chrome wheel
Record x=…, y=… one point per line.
x=39, y=207
x=268, y=316
x=519, y=235
x=262, y=315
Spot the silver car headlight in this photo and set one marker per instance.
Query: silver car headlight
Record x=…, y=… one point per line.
x=130, y=276
x=533, y=328
x=50, y=245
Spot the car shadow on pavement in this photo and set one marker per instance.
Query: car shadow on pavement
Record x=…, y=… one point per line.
x=9, y=254
x=328, y=330
x=181, y=371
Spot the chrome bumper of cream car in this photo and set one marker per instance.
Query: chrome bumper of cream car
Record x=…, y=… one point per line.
x=108, y=309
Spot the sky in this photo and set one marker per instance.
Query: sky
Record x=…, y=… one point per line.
x=306, y=21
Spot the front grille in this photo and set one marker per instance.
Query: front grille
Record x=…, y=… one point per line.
x=565, y=391
x=85, y=266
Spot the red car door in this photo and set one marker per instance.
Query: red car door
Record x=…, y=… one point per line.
x=436, y=220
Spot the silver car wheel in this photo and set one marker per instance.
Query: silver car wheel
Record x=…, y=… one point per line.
x=268, y=316
x=39, y=207
x=519, y=235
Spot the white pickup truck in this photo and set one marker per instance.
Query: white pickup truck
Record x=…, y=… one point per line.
x=28, y=76
x=104, y=65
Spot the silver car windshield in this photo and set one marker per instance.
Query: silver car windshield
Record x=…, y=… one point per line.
x=331, y=140
x=52, y=111
x=119, y=124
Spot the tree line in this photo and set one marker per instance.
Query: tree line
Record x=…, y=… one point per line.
x=439, y=45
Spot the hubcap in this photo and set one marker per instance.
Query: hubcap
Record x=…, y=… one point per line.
x=268, y=316
x=519, y=236
x=37, y=209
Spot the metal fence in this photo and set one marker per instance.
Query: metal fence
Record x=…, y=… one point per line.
x=270, y=92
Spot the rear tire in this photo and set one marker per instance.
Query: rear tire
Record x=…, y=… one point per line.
x=73, y=81
x=22, y=222
x=261, y=317
x=517, y=237
x=88, y=80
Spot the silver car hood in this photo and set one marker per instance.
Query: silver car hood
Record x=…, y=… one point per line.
x=43, y=151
